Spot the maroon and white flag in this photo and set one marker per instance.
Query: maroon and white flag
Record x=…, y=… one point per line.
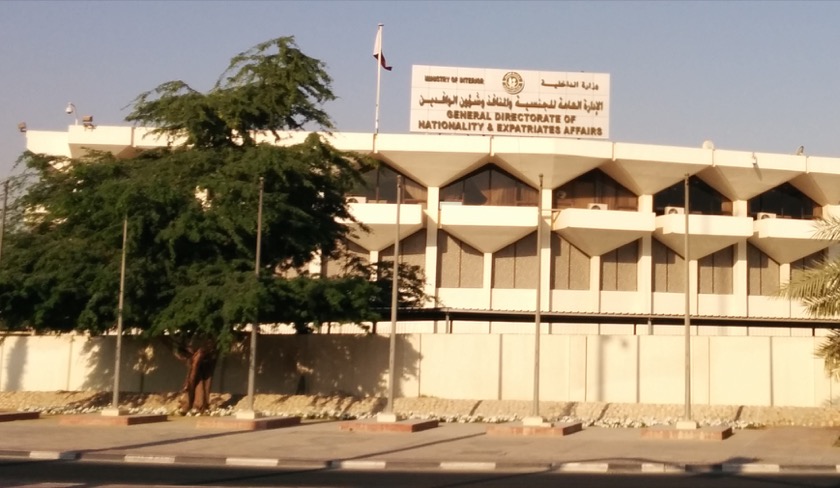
x=377, y=50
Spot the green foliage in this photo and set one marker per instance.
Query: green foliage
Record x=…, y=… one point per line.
x=410, y=290
x=271, y=87
x=830, y=352
x=818, y=287
x=354, y=297
x=192, y=217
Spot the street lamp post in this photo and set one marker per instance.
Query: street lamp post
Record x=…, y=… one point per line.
x=388, y=415
x=687, y=423
x=535, y=418
x=115, y=401
x=252, y=360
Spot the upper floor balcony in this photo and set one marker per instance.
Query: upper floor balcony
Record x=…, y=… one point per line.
x=597, y=230
x=784, y=239
x=487, y=228
x=381, y=221
x=707, y=234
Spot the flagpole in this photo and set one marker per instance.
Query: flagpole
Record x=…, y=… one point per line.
x=378, y=80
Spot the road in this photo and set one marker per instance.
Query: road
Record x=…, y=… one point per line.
x=58, y=474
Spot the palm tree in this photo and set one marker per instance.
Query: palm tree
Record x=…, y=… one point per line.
x=818, y=288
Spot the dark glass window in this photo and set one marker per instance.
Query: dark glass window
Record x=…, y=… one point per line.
x=703, y=199
x=785, y=201
x=489, y=186
x=594, y=187
x=380, y=186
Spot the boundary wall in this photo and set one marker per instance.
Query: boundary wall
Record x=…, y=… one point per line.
x=726, y=370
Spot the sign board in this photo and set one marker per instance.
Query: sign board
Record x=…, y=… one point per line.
x=446, y=100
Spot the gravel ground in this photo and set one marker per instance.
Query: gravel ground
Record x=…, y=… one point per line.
x=590, y=413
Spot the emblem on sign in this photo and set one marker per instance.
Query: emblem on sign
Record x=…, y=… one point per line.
x=512, y=82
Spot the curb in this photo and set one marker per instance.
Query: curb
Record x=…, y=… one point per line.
x=373, y=464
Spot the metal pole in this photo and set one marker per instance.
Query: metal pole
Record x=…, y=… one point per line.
x=392, y=346
x=3, y=218
x=535, y=408
x=378, y=75
x=687, y=328
x=252, y=362
x=117, y=359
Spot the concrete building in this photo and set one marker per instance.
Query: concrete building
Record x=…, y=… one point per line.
x=612, y=244
x=610, y=261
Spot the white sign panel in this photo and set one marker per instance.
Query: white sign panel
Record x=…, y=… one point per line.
x=509, y=102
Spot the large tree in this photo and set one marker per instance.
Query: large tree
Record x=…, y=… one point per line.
x=192, y=219
x=818, y=288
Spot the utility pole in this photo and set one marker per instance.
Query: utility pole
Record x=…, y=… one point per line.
x=388, y=414
x=687, y=423
x=252, y=360
x=535, y=418
x=115, y=400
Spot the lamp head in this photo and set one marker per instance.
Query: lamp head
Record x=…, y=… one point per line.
x=70, y=108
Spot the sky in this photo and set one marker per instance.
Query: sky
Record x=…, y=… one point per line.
x=754, y=76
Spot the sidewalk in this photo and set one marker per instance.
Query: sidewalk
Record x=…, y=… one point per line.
x=450, y=446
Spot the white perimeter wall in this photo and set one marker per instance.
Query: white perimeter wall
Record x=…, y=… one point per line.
x=730, y=370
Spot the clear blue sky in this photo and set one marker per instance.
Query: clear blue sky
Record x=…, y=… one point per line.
x=757, y=76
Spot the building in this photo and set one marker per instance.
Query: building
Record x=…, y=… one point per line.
x=610, y=263
x=613, y=241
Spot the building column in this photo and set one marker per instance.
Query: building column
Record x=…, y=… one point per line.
x=432, y=224
x=693, y=284
x=487, y=279
x=740, y=266
x=545, y=251
x=595, y=278
x=644, y=272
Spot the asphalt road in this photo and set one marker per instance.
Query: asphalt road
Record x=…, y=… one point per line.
x=18, y=473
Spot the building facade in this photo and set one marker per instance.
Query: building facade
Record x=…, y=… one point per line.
x=610, y=257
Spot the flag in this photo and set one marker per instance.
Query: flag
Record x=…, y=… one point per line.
x=377, y=50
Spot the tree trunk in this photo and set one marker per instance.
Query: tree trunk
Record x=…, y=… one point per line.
x=201, y=362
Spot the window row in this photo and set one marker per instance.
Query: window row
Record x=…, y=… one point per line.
x=490, y=185
x=459, y=265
